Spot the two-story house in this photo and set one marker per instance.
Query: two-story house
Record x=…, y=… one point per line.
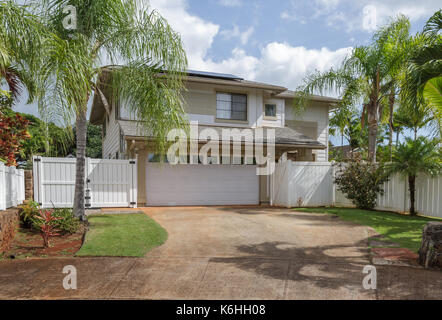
x=218, y=101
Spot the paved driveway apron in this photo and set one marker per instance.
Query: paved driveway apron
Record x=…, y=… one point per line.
x=230, y=253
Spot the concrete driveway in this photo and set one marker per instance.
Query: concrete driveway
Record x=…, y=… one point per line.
x=230, y=253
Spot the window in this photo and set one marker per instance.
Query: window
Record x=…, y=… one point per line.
x=123, y=112
x=270, y=110
x=231, y=106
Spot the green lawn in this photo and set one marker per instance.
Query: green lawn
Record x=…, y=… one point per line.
x=131, y=235
x=406, y=231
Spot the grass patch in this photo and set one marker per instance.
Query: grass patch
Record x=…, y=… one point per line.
x=129, y=235
x=406, y=231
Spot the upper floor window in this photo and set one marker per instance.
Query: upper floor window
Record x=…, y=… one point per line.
x=231, y=106
x=123, y=112
x=270, y=110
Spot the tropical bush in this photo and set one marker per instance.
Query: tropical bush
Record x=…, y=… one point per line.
x=13, y=133
x=47, y=225
x=361, y=182
x=68, y=222
x=30, y=217
x=28, y=212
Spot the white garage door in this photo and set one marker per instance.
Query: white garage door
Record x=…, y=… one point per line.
x=185, y=184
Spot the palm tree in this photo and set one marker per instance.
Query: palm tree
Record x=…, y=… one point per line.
x=416, y=117
x=120, y=32
x=367, y=75
x=20, y=37
x=415, y=157
x=423, y=74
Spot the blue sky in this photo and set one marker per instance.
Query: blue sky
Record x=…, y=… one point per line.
x=278, y=41
x=281, y=41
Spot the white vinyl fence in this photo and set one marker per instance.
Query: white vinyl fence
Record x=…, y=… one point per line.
x=109, y=183
x=311, y=184
x=12, y=186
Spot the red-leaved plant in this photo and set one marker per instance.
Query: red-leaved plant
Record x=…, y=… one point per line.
x=47, y=228
x=13, y=132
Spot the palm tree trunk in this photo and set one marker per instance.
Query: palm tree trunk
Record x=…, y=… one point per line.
x=412, y=188
x=415, y=133
x=390, y=122
x=372, y=131
x=81, y=126
x=342, y=145
x=373, y=120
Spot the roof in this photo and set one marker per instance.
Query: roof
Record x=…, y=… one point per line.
x=283, y=136
x=236, y=82
x=215, y=75
x=290, y=94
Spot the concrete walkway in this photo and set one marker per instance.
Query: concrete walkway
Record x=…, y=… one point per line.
x=230, y=253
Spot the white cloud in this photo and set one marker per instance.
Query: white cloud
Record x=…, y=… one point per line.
x=281, y=63
x=351, y=15
x=230, y=3
x=236, y=33
x=196, y=33
x=277, y=63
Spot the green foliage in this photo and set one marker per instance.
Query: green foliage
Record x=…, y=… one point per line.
x=361, y=182
x=93, y=142
x=65, y=221
x=366, y=75
x=68, y=222
x=5, y=100
x=433, y=94
x=47, y=139
x=424, y=64
x=28, y=212
x=20, y=38
x=122, y=31
x=416, y=156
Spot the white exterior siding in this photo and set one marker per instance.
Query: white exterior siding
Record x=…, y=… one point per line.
x=280, y=110
x=200, y=105
x=317, y=112
x=203, y=97
x=111, y=142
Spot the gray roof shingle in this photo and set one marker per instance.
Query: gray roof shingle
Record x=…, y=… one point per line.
x=283, y=136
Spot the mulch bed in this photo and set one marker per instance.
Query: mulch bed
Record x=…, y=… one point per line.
x=28, y=243
x=395, y=256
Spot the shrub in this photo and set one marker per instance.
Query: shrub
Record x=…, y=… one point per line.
x=361, y=182
x=47, y=228
x=28, y=213
x=30, y=217
x=68, y=222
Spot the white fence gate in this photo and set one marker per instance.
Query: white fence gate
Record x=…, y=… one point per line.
x=109, y=183
x=311, y=184
x=12, y=186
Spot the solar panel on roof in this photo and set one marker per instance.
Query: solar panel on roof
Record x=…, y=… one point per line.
x=213, y=75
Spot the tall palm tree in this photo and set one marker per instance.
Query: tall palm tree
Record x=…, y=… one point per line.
x=118, y=32
x=367, y=75
x=415, y=157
